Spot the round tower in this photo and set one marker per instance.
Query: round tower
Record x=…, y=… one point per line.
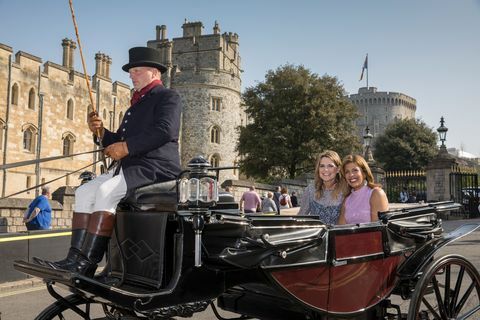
x=205, y=71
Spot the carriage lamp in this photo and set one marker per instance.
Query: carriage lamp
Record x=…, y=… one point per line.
x=199, y=189
x=442, y=132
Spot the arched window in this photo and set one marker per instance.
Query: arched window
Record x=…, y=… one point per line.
x=29, y=139
x=120, y=118
x=215, y=160
x=14, y=99
x=70, y=109
x=3, y=126
x=31, y=99
x=68, y=142
x=235, y=164
x=215, y=135
x=104, y=114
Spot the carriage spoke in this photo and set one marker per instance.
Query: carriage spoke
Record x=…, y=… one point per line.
x=464, y=299
x=429, y=307
x=438, y=296
x=446, y=301
x=458, y=286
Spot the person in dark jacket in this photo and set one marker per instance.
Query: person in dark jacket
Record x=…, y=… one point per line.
x=145, y=147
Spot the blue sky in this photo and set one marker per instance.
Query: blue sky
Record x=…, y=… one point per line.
x=427, y=49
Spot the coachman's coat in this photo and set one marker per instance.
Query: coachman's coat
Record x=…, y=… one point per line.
x=151, y=129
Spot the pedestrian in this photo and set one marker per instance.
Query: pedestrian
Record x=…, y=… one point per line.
x=250, y=201
x=366, y=199
x=145, y=147
x=285, y=200
x=276, y=197
x=294, y=199
x=38, y=215
x=404, y=195
x=268, y=205
x=324, y=197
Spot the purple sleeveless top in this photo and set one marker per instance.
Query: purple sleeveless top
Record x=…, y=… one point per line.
x=357, y=206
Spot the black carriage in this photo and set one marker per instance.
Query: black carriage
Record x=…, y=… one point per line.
x=179, y=245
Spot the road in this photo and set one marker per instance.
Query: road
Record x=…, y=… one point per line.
x=25, y=304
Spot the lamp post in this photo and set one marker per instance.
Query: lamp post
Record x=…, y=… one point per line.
x=442, y=134
x=367, y=139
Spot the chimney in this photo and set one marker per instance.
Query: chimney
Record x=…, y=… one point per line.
x=98, y=63
x=71, y=54
x=104, y=65
x=66, y=55
x=107, y=68
x=216, y=28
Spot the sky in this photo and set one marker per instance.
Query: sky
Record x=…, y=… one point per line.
x=427, y=49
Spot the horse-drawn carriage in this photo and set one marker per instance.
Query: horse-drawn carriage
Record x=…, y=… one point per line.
x=180, y=245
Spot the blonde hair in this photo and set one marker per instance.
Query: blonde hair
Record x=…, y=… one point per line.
x=363, y=165
x=341, y=185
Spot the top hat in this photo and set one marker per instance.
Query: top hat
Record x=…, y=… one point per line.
x=144, y=57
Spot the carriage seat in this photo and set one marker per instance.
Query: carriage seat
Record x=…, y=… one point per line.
x=161, y=196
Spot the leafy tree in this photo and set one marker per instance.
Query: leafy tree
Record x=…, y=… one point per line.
x=295, y=114
x=406, y=144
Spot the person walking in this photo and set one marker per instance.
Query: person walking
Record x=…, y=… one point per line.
x=250, y=201
x=38, y=215
x=145, y=147
x=268, y=205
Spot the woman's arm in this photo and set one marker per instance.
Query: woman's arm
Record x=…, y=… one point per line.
x=341, y=218
x=378, y=203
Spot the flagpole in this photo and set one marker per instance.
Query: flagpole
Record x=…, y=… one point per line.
x=367, y=71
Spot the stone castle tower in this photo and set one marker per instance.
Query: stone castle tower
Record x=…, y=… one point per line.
x=378, y=109
x=205, y=70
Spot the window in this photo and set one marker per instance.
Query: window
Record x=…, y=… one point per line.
x=28, y=183
x=3, y=126
x=68, y=141
x=215, y=135
x=29, y=139
x=15, y=94
x=120, y=118
x=31, y=99
x=104, y=114
x=216, y=104
x=215, y=160
x=235, y=164
x=70, y=109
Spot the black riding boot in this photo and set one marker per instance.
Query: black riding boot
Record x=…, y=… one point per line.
x=79, y=231
x=95, y=244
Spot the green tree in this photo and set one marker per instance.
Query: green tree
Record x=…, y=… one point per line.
x=406, y=144
x=294, y=115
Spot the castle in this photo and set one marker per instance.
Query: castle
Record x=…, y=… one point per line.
x=44, y=106
x=378, y=109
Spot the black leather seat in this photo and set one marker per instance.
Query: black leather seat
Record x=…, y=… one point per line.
x=160, y=196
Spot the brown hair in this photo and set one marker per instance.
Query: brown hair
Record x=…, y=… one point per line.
x=341, y=187
x=363, y=165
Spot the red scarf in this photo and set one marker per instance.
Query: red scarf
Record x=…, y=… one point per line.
x=137, y=95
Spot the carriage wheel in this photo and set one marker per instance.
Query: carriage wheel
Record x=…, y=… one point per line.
x=448, y=289
x=92, y=310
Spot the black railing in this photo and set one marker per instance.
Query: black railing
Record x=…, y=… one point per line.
x=464, y=189
x=415, y=182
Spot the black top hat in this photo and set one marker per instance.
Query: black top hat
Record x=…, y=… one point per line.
x=144, y=57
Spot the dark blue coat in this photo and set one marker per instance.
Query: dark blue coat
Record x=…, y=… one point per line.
x=151, y=129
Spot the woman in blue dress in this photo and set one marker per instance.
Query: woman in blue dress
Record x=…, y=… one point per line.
x=324, y=197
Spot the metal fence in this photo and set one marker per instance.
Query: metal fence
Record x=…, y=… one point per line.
x=464, y=189
x=415, y=182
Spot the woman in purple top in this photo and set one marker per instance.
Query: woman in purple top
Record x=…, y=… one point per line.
x=366, y=198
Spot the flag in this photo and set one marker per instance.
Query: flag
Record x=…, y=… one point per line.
x=365, y=66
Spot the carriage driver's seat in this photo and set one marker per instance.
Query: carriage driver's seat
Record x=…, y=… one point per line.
x=141, y=249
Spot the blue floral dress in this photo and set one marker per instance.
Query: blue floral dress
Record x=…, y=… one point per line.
x=327, y=208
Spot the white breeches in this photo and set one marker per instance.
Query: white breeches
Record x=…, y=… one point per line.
x=101, y=194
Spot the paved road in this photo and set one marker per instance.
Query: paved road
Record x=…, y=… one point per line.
x=27, y=303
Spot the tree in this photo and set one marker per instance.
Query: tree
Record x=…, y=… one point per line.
x=295, y=114
x=406, y=144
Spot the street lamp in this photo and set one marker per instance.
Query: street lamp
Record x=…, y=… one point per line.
x=442, y=132
x=367, y=139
